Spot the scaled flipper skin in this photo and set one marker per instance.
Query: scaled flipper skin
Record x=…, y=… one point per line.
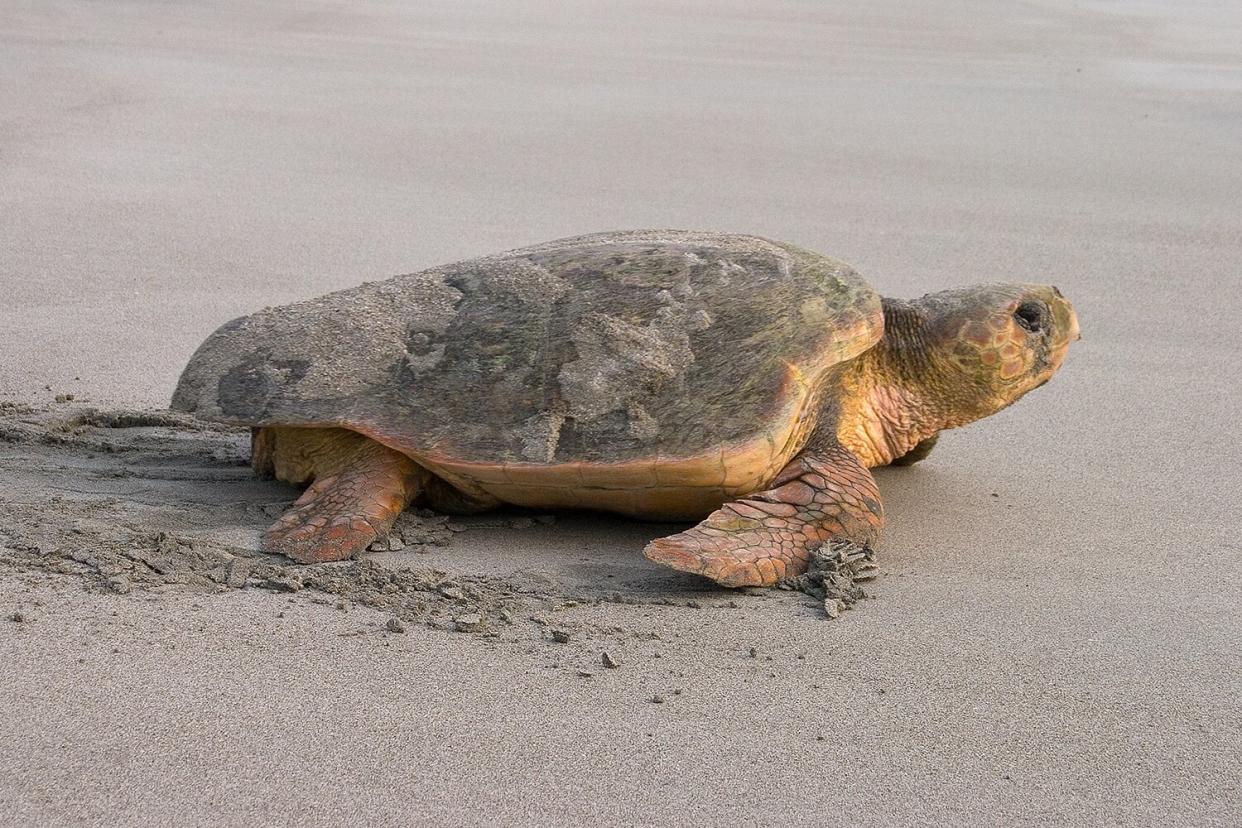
x=768, y=536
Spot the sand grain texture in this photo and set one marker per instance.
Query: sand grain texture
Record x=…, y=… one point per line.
x=1053, y=636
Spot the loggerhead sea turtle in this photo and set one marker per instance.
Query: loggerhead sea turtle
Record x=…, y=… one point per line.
x=668, y=375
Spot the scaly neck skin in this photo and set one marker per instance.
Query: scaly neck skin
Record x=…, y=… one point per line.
x=889, y=396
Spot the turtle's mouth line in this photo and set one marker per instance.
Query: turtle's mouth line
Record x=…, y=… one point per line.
x=1059, y=350
x=1075, y=332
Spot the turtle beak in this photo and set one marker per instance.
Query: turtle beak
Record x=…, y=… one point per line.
x=1074, y=333
x=1066, y=319
x=1065, y=322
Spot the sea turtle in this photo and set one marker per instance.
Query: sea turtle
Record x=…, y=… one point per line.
x=669, y=375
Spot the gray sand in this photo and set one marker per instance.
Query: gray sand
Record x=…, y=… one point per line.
x=1054, y=634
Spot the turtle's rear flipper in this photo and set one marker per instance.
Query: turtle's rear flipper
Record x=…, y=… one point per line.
x=359, y=487
x=767, y=537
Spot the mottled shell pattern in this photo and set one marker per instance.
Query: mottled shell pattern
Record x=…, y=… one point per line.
x=606, y=348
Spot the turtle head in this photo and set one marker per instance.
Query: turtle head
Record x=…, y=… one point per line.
x=987, y=346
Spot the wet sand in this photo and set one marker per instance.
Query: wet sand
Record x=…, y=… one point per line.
x=1054, y=635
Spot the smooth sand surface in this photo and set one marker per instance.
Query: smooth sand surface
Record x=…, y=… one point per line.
x=1056, y=638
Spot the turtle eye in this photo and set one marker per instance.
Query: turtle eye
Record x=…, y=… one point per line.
x=1030, y=315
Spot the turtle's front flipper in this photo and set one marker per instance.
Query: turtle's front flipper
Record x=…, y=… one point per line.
x=358, y=487
x=768, y=536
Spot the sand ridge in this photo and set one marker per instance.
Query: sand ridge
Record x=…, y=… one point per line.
x=111, y=497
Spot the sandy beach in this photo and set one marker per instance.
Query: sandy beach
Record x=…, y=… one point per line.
x=1054, y=638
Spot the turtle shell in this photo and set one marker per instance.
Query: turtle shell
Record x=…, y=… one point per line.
x=615, y=348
